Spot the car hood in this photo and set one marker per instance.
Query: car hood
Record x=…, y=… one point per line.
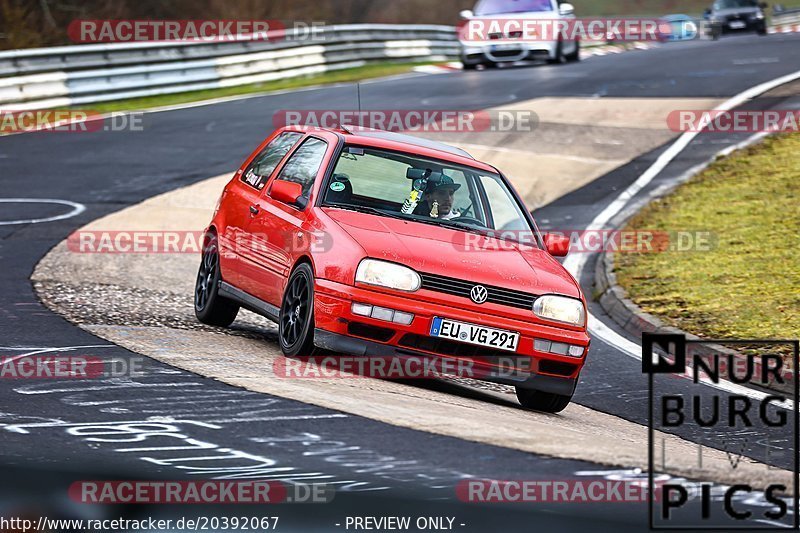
x=456, y=254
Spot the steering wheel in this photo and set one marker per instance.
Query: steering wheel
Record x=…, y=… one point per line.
x=469, y=220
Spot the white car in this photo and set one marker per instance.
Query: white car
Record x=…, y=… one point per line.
x=505, y=36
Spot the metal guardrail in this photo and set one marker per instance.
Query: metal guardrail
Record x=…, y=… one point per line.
x=77, y=75
x=788, y=17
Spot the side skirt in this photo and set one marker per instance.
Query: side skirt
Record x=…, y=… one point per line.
x=248, y=301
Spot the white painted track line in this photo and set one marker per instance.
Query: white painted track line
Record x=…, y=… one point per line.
x=575, y=263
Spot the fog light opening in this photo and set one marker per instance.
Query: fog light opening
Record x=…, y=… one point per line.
x=382, y=313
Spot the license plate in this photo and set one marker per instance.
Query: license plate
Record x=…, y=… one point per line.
x=474, y=334
x=736, y=24
x=504, y=47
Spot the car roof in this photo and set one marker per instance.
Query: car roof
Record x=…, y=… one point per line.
x=401, y=142
x=406, y=139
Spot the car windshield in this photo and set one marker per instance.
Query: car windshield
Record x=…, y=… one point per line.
x=402, y=185
x=733, y=4
x=486, y=8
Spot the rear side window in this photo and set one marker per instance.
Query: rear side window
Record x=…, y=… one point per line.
x=304, y=164
x=264, y=164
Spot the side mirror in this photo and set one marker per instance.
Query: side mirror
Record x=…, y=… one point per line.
x=557, y=245
x=566, y=9
x=465, y=14
x=287, y=192
x=706, y=13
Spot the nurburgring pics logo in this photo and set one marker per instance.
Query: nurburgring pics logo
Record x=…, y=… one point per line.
x=743, y=425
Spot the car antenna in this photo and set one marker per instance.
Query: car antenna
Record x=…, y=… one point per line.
x=347, y=128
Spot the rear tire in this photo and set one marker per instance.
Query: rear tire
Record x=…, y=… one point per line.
x=542, y=401
x=468, y=66
x=209, y=307
x=296, y=321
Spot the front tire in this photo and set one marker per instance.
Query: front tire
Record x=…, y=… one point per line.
x=558, y=58
x=547, y=402
x=296, y=320
x=576, y=55
x=209, y=307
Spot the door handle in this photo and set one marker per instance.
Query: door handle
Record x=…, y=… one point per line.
x=254, y=209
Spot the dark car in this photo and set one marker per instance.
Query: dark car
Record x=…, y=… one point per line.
x=726, y=16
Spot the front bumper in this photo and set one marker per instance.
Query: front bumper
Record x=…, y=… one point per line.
x=336, y=342
x=339, y=330
x=743, y=25
x=500, y=52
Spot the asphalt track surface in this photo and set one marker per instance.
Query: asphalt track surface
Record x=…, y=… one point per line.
x=107, y=171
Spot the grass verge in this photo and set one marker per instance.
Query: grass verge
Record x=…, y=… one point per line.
x=376, y=70
x=748, y=284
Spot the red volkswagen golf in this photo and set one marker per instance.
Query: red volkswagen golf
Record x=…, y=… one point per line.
x=371, y=243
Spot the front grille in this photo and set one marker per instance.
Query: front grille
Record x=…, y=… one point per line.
x=448, y=347
x=367, y=331
x=556, y=368
x=496, y=295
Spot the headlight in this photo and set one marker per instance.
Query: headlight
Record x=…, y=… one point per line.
x=759, y=15
x=385, y=274
x=560, y=309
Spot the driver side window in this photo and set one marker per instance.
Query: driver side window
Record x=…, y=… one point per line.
x=304, y=164
x=262, y=167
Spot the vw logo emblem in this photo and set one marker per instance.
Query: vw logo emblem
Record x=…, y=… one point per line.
x=478, y=294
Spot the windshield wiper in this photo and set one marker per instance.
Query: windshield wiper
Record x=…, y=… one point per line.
x=368, y=209
x=465, y=227
x=391, y=214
